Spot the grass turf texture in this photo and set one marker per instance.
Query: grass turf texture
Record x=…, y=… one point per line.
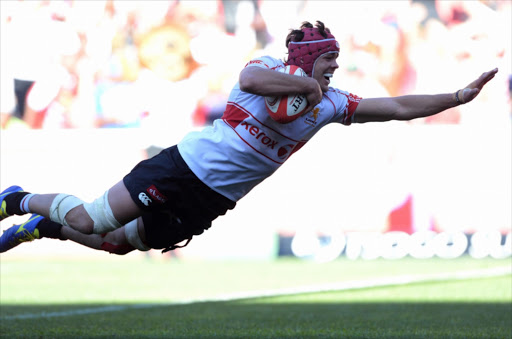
x=471, y=308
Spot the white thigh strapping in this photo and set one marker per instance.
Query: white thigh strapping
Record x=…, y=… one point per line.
x=132, y=235
x=101, y=213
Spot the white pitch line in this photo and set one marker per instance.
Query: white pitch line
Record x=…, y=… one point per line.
x=341, y=286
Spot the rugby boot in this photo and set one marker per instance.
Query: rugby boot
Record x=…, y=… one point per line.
x=3, y=203
x=17, y=234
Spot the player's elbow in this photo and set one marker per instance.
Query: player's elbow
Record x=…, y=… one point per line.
x=245, y=85
x=252, y=80
x=247, y=81
x=400, y=115
x=396, y=111
x=406, y=114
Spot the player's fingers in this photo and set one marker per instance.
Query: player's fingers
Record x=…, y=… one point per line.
x=309, y=108
x=489, y=75
x=314, y=99
x=483, y=79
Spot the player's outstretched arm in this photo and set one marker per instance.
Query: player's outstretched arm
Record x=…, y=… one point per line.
x=410, y=107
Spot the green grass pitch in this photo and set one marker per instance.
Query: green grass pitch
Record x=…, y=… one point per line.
x=133, y=297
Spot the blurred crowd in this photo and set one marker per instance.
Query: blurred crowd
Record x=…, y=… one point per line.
x=113, y=63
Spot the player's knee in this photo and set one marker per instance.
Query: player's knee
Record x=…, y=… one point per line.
x=96, y=217
x=79, y=219
x=68, y=210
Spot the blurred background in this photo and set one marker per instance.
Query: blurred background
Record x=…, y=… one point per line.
x=90, y=88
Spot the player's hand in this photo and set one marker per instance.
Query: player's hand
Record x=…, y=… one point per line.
x=314, y=95
x=473, y=89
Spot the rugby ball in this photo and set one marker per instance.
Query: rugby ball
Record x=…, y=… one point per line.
x=286, y=108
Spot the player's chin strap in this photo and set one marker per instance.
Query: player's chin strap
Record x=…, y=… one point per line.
x=314, y=63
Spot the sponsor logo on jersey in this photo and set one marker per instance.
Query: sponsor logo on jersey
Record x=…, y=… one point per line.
x=156, y=195
x=263, y=139
x=144, y=199
x=259, y=135
x=252, y=62
x=312, y=118
x=284, y=151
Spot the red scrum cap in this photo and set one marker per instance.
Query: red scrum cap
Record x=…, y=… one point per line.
x=305, y=53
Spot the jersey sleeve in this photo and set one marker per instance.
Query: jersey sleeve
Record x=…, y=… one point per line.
x=265, y=62
x=353, y=102
x=345, y=104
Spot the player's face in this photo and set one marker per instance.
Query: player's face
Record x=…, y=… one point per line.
x=324, y=70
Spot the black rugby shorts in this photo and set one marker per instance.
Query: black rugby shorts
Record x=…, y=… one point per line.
x=167, y=190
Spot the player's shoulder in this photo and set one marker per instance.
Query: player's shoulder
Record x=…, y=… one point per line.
x=266, y=61
x=336, y=93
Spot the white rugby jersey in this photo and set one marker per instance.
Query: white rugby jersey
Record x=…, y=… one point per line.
x=246, y=145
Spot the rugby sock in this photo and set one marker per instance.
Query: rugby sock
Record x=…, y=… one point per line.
x=24, y=203
x=13, y=202
x=49, y=229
